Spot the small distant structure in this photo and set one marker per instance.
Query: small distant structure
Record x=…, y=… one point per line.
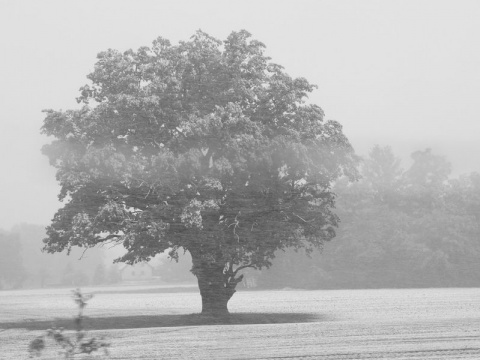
x=249, y=282
x=137, y=272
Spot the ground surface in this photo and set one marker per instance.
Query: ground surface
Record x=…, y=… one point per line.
x=148, y=323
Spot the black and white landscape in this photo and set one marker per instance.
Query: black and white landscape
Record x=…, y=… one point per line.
x=240, y=180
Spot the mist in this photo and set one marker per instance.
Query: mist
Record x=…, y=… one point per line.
x=402, y=225
x=402, y=75
x=396, y=73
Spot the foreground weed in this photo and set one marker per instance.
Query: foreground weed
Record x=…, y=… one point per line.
x=78, y=343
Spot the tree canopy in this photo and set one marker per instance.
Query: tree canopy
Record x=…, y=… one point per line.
x=204, y=146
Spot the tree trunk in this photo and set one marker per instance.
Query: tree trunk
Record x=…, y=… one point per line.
x=216, y=288
x=212, y=291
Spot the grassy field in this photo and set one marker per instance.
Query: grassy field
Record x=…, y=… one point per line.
x=151, y=323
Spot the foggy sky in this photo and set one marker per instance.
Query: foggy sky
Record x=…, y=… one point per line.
x=399, y=73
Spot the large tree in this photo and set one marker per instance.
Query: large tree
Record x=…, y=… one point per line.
x=205, y=147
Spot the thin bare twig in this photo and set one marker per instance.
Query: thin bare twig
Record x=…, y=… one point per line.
x=83, y=253
x=307, y=221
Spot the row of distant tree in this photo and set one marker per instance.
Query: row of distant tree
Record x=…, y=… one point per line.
x=414, y=227
x=24, y=265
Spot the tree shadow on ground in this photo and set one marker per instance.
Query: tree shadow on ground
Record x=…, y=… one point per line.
x=151, y=321
x=156, y=290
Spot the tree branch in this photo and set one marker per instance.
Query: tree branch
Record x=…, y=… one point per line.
x=111, y=236
x=307, y=221
x=243, y=267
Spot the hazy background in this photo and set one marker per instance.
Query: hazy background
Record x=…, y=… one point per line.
x=398, y=73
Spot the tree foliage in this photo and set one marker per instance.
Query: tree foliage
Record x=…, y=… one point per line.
x=205, y=146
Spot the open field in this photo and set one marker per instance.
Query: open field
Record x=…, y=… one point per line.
x=149, y=323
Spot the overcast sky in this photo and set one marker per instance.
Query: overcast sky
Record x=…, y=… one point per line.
x=399, y=73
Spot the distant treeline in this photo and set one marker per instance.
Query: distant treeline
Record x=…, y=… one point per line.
x=414, y=227
x=399, y=228
x=24, y=265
